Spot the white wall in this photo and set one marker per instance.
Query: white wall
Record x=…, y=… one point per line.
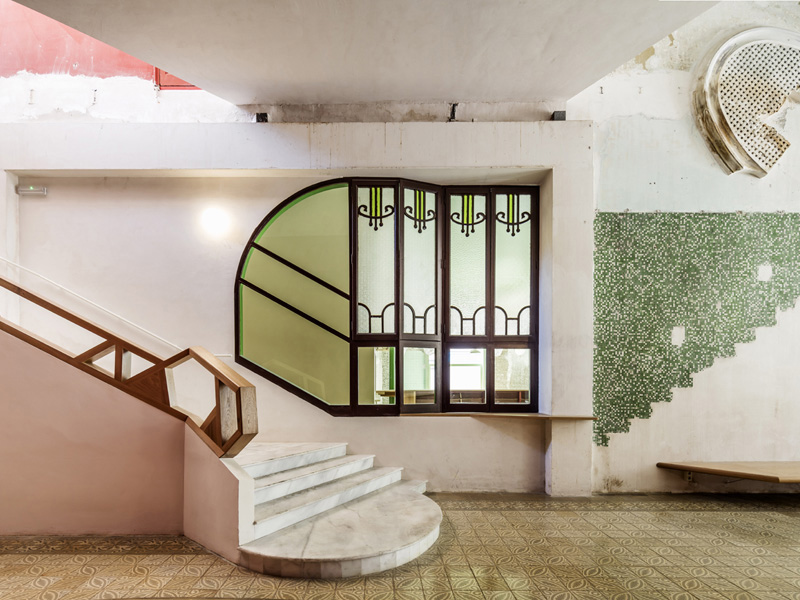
x=137, y=247
x=133, y=245
x=649, y=156
x=26, y=97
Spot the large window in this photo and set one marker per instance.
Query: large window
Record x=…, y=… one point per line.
x=387, y=296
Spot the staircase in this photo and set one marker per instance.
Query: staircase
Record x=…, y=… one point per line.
x=315, y=511
x=320, y=512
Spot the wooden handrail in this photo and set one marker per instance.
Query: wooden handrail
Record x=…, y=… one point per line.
x=228, y=428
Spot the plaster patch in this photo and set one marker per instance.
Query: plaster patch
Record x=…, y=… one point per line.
x=28, y=97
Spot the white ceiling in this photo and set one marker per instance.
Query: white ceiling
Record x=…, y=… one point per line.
x=356, y=51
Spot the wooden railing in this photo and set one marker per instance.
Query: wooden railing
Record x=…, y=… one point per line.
x=229, y=427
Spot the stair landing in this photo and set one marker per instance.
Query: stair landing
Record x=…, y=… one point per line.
x=331, y=515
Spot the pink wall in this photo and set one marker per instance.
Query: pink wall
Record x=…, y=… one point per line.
x=38, y=44
x=81, y=457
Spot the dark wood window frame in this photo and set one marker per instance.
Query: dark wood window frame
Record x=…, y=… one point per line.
x=442, y=340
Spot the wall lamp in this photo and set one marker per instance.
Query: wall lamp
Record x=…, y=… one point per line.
x=31, y=190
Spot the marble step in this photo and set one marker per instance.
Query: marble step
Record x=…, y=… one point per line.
x=277, y=514
x=373, y=533
x=262, y=459
x=292, y=481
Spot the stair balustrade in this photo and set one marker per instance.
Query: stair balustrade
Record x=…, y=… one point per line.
x=227, y=429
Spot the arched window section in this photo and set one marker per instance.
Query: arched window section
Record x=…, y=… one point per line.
x=388, y=296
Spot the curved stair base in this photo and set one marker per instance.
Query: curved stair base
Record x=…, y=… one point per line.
x=379, y=531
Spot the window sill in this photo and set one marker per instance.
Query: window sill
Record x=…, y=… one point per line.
x=485, y=415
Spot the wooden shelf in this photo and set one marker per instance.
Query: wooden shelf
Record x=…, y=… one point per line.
x=484, y=415
x=772, y=471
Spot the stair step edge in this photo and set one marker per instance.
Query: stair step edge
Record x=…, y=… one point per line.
x=280, y=464
x=312, y=505
x=304, y=471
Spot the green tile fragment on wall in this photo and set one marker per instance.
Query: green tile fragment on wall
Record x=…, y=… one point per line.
x=656, y=272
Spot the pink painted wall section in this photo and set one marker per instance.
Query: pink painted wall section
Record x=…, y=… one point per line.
x=30, y=41
x=81, y=457
x=212, y=498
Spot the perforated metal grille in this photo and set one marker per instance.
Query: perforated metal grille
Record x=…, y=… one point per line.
x=753, y=85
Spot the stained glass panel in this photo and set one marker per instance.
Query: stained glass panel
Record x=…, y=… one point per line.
x=376, y=257
x=419, y=262
x=467, y=264
x=512, y=292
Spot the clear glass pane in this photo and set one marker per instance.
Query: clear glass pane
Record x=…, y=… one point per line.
x=294, y=349
x=419, y=376
x=467, y=265
x=376, y=368
x=298, y=291
x=419, y=255
x=467, y=375
x=313, y=232
x=513, y=264
x=512, y=376
x=375, y=293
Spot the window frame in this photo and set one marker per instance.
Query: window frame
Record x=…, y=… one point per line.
x=441, y=340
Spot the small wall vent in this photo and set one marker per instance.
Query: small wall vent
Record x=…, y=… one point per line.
x=740, y=84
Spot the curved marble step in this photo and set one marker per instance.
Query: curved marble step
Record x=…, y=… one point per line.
x=380, y=531
x=277, y=514
x=292, y=481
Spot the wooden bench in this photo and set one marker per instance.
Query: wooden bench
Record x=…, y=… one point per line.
x=772, y=471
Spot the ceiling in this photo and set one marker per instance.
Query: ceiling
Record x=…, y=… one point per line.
x=362, y=51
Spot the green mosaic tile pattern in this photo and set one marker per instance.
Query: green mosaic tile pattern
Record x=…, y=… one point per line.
x=654, y=272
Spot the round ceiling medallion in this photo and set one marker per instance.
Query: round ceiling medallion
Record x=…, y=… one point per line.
x=740, y=84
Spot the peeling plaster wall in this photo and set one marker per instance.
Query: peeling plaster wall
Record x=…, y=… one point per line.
x=59, y=97
x=650, y=157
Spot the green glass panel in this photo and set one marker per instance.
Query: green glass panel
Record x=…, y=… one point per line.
x=376, y=257
x=419, y=262
x=467, y=265
x=298, y=291
x=512, y=375
x=313, y=233
x=512, y=264
x=419, y=376
x=467, y=375
x=376, y=376
x=294, y=349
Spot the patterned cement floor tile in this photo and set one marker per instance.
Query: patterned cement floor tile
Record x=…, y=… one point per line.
x=492, y=547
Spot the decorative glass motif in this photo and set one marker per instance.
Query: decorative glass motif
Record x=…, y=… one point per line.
x=469, y=218
x=468, y=265
x=513, y=217
x=419, y=213
x=512, y=268
x=375, y=283
x=419, y=264
x=375, y=211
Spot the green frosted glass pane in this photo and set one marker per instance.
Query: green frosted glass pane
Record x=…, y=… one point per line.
x=512, y=264
x=467, y=375
x=298, y=291
x=376, y=380
x=419, y=262
x=419, y=376
x=468, y=265
x=512, y=375
x=376, y=256
x=313, y=233
x=294, y=349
